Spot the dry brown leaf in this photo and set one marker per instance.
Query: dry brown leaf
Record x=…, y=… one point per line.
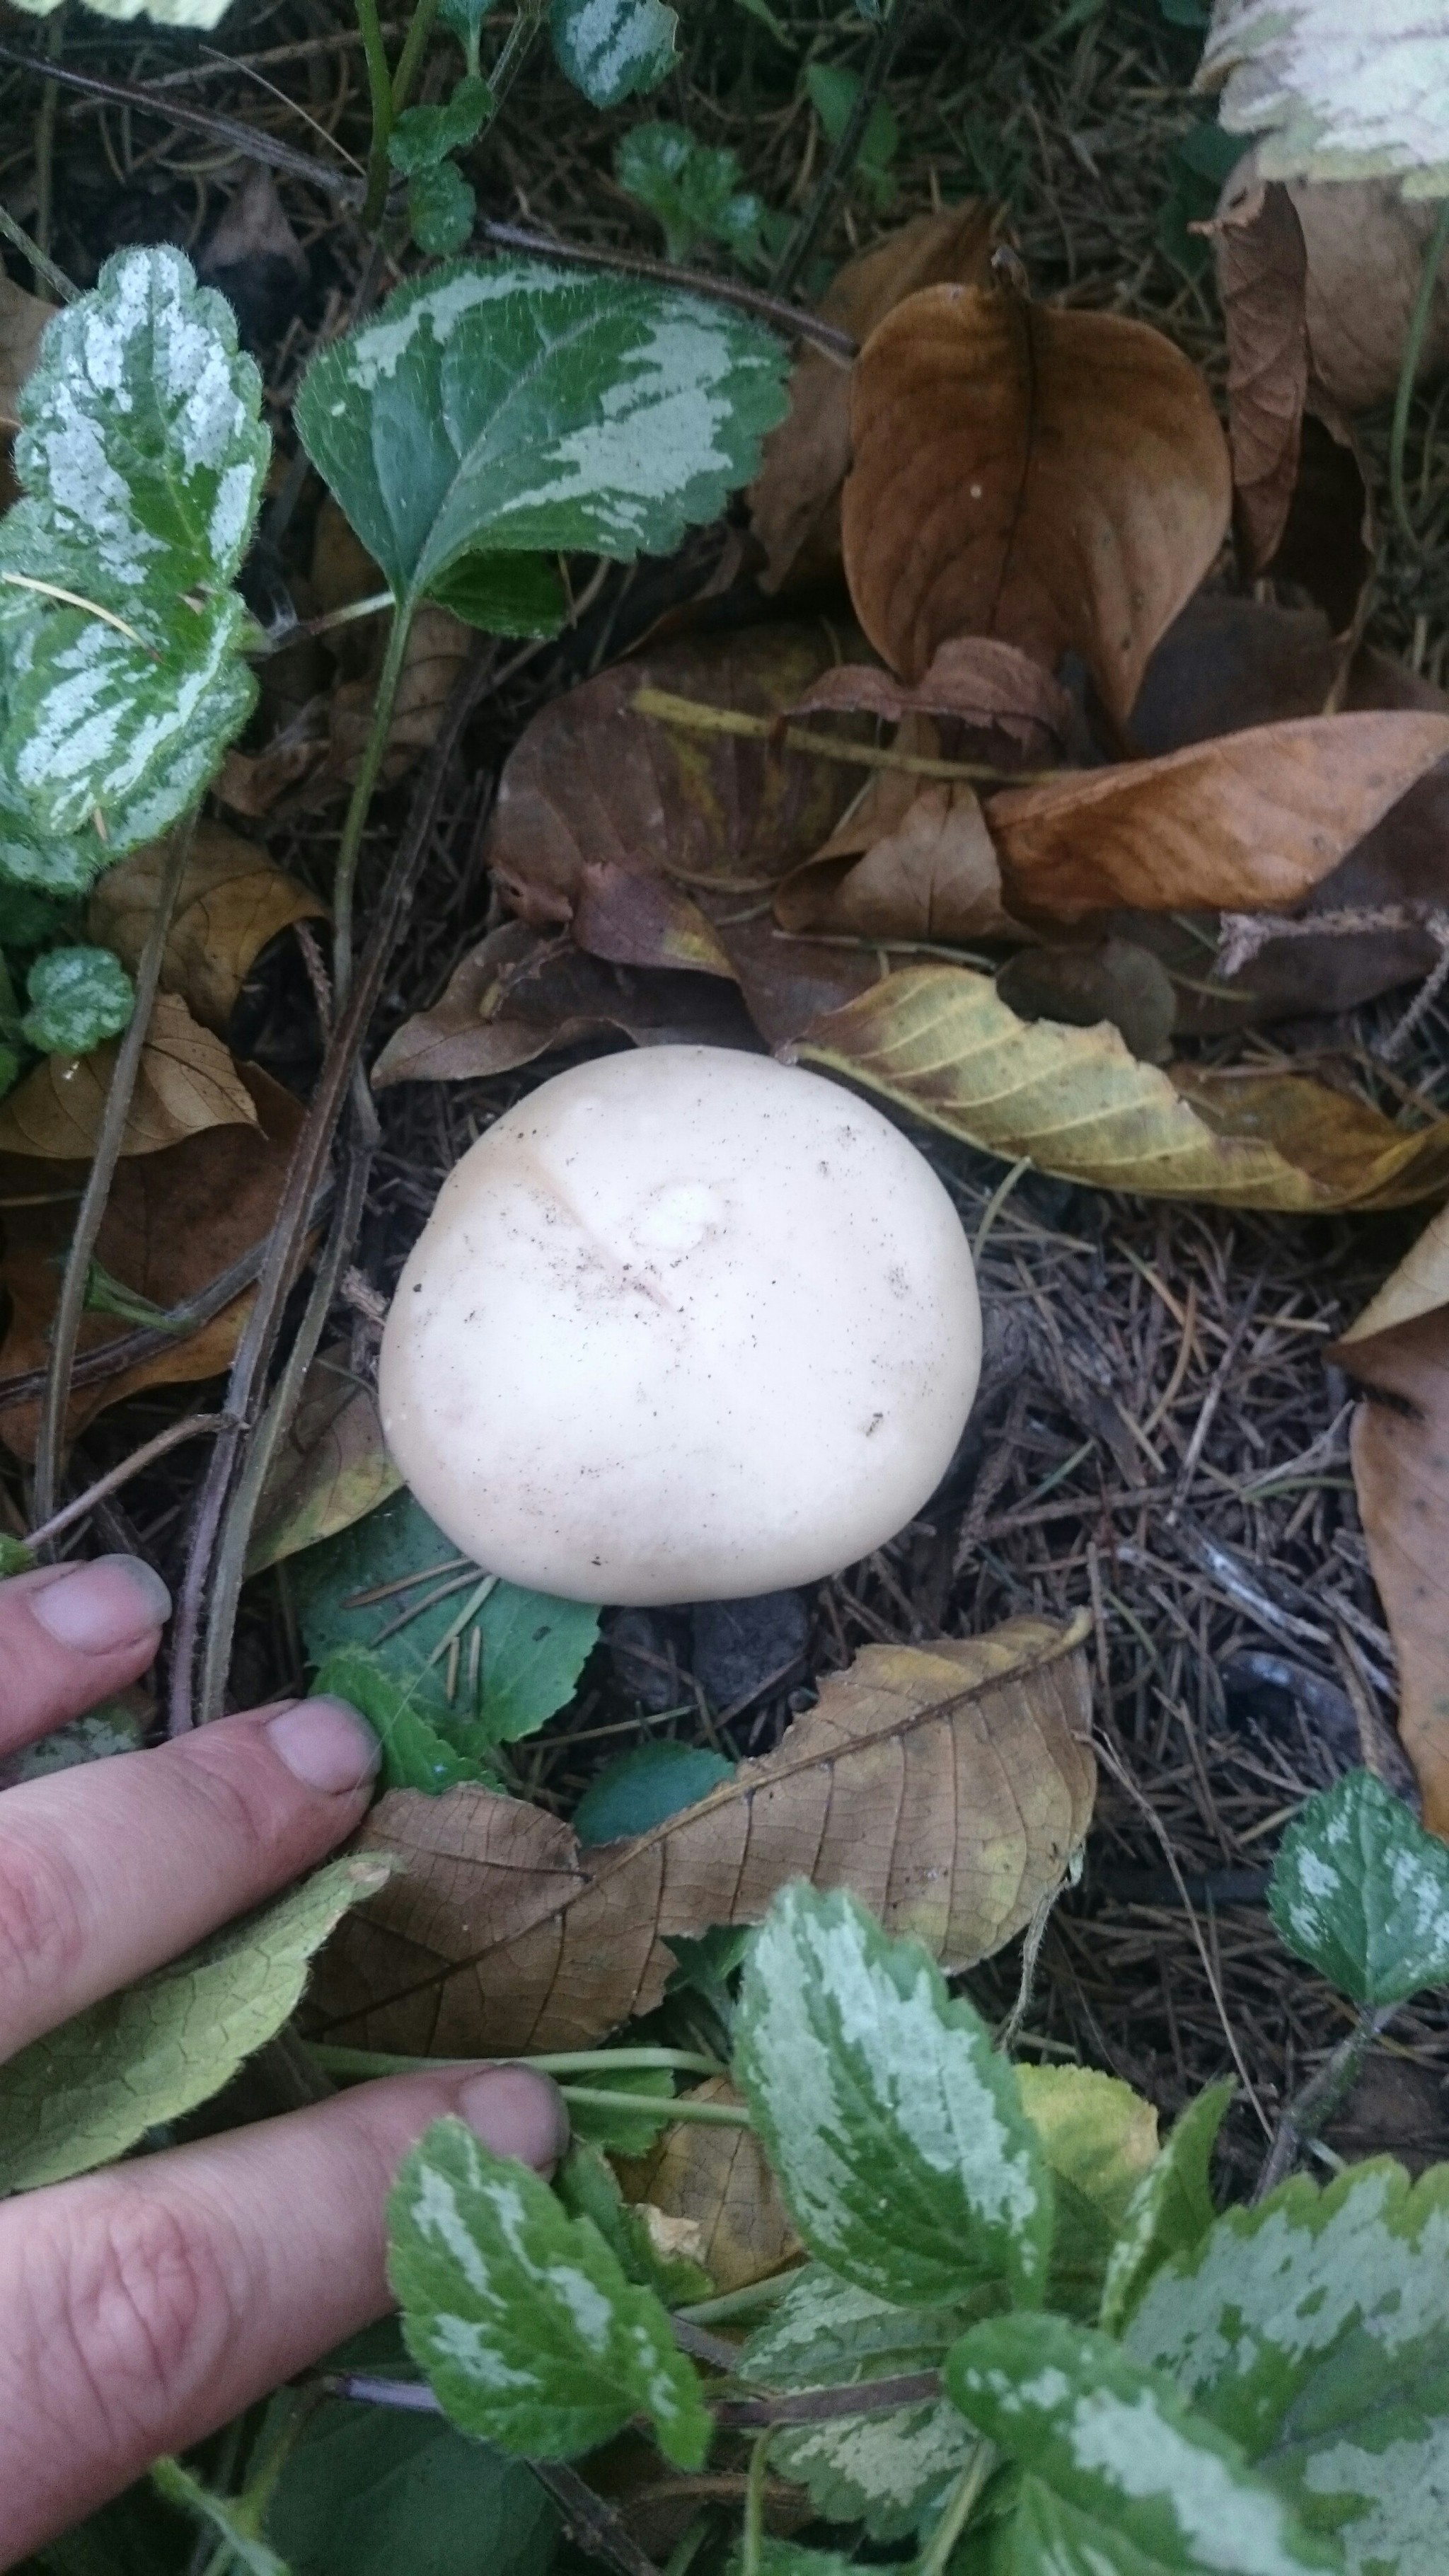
x=22, y=319
x=1056, y=479
x=947, y=1785
x=233, y=900
x=330, y=1470
x=1112, y=980
x=1262, y=267
x=174, y=1220
x=985, y=686
x=795, y=499
x=1247, y=823
x=720, y=2181
x=1366, y=243
x=940, y=1043
x=1420, y=1283
x=912, y=860
x=437, y=648
x=187, y=1082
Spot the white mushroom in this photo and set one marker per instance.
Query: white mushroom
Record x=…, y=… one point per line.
x=686, y=1324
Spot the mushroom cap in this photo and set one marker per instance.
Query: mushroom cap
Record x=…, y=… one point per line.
x=685, y=1325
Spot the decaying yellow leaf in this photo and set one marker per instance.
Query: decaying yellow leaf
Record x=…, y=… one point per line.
x=187, y=1083
x=947, y=1785
x=233, y=900
x=719, y=2181
x=330, y=1470
x=940, y=1043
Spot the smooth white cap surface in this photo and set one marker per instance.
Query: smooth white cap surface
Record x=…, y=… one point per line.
x=685, y=1325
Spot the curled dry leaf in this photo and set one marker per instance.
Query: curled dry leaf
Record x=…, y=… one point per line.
x=174, y=1220
x=187, y=1083
x=720, y=2180
x=22, y=319
x=912, y=860
x=331, y=1469
x=1055, y=479
x=940, y=1043
x=795, y=499
x=1004, y=699
x=1247, y=823
x=233, y=900
x=948, y=1785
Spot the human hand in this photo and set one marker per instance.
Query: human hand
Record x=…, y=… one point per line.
x=145, y=2305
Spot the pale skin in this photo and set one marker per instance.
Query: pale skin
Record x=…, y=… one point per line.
x=145, y=2305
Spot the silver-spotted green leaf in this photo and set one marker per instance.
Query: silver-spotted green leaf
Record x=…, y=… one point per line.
x=1361, y=1892
x=889, y=2471
x=1171, y=2209
x=1118, y=2476
x=78, y=998
x=894, y=2127
x=1315, y=2330
x=522, y=2318
x=613, y=49
x=511, y=408
x=424, y=136
x=89, y=2090
x=1338, y=89
x=441, y=210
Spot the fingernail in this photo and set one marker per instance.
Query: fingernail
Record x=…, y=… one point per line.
x=325, y=1744
x=95, y=1609
x=517, y=2113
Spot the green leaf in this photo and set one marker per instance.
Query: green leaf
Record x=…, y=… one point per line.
x=114, y=1727
x=177, y=2485
x=1099, y=2139
x=612, y=49
x=1119, y=2478
x=9, y=1068
x=78, y=998
x=522, y=2318
x=787, y=2558
x=1171, y=2209
x=625, y=2133
x=441, y=210
x=464, y=19
x=28, y=919
x=1361, y=1892
x=106, y=1295
x=504, y=594
x=690, y=188
x=89, y=2090
x=414, y=1754
x=511, y=408
x=15, y=1556
x=639, y=1789
x=135, y=2535
x=586, y=2185
x=833, y=92
x=889, y=2471
x=762, y=10
x=424, y=136
x=896, y=2131
x=1315, y=2330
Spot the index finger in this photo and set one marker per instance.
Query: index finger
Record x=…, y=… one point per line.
x=70, y=1636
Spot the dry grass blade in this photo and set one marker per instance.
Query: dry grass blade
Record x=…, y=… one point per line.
x=1056, y=479
x=233, y=900
x=187, y=1083
x=948, y=1785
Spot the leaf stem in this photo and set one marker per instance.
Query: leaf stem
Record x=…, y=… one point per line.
x=739, y=2303
x=195, y=1426
x=705, y=2115
x=366, y=779
x=1409, y=370
x=511, y=54
x=1310, y=2110
x=569, y=2061
x=42, y=265
x=412, y=54
x=836, y=173
x=753, y=2537
x=936, y=2556
x=90, y=1215
x=693, y=716
x=379, y=91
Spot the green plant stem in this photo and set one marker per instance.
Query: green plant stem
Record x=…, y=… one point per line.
x=836, y=174
x=42, y=265
x=412, y=55
x=379, y=92
x=936, y=2556
x=514, y=50
x=90, y=1215
x=374, y=749
x=738, y=2303
x=704, y=2115
x=1310, y=2111
x=368, y=2062
x=752, y=2541
x=1409, y=370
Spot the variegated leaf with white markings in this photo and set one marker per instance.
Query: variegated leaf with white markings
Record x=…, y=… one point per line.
x=522, y=2318
x=1315, y=2330
x=1336, y=89
x=895, y=2129
x=510, y=408
x=889, y=2471
x=613, y=49
x=1170, y=2210
x=1362, y=1892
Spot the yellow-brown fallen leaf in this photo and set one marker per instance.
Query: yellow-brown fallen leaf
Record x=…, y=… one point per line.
x=948, y=1785
x=187, y=1083
x=941, y=1044
x=1248, y=823
x=174, y=1221
x=1056, y=479
x=1420, y=1283
x=330, y=1470
x=233, y=900
x=795, y=499
x=22, y=319
x=721, y=2180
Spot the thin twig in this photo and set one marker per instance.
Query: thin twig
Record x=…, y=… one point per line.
x=735, y=2414
x=55, y=1402
x=196, y=1426
x=42, y=265
x=249, y=140
x=785, y=317
x=693, y=715
x=1310, y=2111
x=590, y=2521
x=836, y=174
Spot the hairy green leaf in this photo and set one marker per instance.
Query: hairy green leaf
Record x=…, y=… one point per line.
x=89, y=2090
x=78, y=998
x=586, y=2184
x=511, y=408
x=522, y=2317
x=693, y=190
x=424, y=136
x=1336, y=90
x=612, y=49
x=441, y=209
x=896, y=2130
x=1099, y=2138
x=1361, y=1892
x=1315, y=2330
x=1170, y=2210
x=414, y=1754
x=890, y=2471
x=1119, y=2478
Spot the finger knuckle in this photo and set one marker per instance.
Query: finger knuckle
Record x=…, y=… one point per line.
x=43, y=1923
x=150, y=2301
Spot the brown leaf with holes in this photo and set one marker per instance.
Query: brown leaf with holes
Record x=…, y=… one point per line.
x=720, y=2180
x=329, y=1471
x=174, y=1221
x=795, y=499
x=1247, y=823
x=948, y=1785
x=187, y=1082
x=1056, y=479
x=233, y=901
x=22, y=319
